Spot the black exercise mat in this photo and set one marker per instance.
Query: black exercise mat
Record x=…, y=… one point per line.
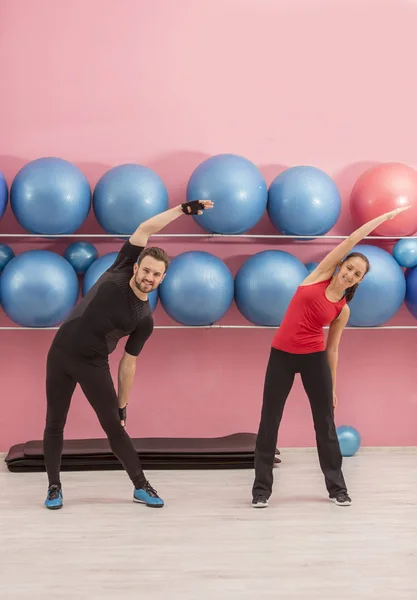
x=234, y=443
x=228, y=452
x=156, y=457
x=37, y=465
x=18, y=468
x=18, y=452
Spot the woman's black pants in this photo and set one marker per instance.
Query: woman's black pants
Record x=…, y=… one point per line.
x=317, y=381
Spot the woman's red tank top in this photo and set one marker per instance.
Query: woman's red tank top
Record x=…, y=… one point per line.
x=301, y=330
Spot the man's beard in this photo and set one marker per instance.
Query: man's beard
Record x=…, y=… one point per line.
x=144, y=288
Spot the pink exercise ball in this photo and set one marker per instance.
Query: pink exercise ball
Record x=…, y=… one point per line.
x=381, y=189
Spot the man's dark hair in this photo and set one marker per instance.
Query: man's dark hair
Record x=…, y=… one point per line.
x=156, y=253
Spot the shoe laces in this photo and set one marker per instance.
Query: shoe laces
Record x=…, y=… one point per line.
x=53, y=492
x=150, y=490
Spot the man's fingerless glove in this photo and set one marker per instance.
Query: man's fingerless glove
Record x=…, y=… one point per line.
x=122, y=414
x=192, y=207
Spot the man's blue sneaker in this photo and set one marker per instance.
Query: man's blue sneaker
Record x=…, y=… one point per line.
x=54, y=498
x=147, y=495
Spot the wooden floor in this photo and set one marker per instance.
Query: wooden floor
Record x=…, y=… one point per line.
x=208, y=542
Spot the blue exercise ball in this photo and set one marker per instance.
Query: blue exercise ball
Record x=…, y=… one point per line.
x=310, y=266
x=4, y=194
x=6, y=255
x=349, y=440
x=50, y=196
x=411, y=291
x=127, y=195
x=405, y=252
x=99, y=266
x=303, y=201
x=81, y=255
x=265, y=284
x=38, y=289
x=380, y=295
x=96, y=270
x=197, y=289
x=237, y=188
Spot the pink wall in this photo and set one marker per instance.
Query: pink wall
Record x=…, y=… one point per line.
x=167, y=84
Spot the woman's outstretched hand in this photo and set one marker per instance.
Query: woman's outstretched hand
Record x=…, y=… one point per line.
x=396, y=211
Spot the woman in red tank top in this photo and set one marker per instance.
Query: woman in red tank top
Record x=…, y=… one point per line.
x=298, y=347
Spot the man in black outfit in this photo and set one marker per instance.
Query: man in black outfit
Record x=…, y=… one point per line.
x=116, y=306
